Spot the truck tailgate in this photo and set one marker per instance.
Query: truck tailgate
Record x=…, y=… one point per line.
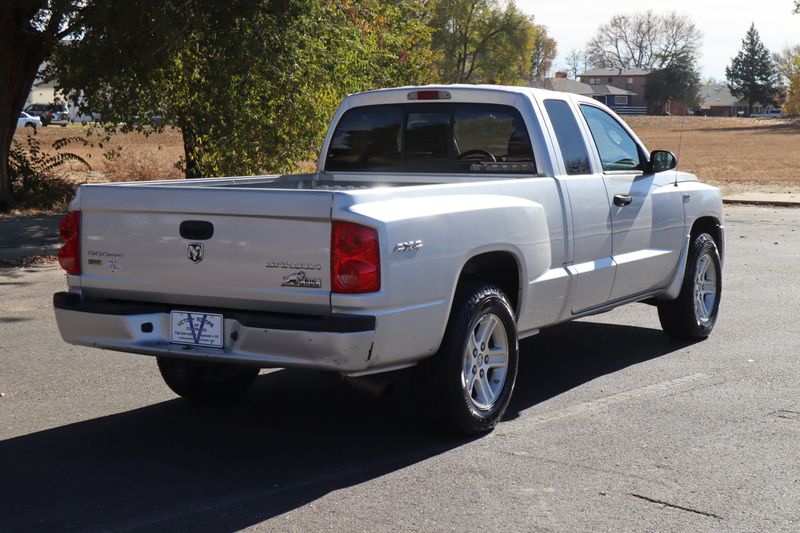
x=270, y=249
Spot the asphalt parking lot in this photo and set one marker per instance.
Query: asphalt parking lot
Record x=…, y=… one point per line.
x=613, y=427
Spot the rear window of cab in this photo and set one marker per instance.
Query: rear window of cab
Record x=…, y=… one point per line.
x=433, y=138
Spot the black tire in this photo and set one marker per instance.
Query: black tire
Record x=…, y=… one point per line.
x=454, y=394
x=686, y=318
x=30, y=125
x=206, y=383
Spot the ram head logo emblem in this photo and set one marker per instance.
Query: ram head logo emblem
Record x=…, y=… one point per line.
x=195, y=252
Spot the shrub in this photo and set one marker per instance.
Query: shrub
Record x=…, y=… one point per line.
x=33, y=173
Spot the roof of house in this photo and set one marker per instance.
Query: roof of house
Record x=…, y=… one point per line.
x=617, y=72
x=565, y=85
x=610, y=89
x=715, y=95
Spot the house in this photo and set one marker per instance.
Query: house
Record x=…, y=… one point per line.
x=42, y=92
x=716, y=100
x=632, y=80
x=620, y=100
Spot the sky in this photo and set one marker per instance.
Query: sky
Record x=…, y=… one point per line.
x=723, y=23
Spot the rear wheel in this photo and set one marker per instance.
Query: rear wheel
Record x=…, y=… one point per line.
x=693, y=313
x=473, y=374
x=204, y=382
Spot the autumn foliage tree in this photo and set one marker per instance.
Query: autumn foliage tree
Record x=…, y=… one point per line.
x=544, y=52
x=482, y=41
x=250, y=83
x=792, y=104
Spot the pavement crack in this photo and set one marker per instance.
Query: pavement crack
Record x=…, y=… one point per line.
x=675, y=506
x=785, y=413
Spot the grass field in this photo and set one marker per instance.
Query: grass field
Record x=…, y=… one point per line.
x=736, y=154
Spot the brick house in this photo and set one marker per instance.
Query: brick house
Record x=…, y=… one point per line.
x=632, y=80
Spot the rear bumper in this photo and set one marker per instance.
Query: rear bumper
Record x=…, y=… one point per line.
x=336, y=342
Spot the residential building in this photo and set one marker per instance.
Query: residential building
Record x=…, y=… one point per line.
x=632, y=80
x=620, y=100
x=716, y=100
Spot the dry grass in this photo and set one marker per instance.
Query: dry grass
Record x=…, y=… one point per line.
x=136, y=156
x=140, y=164
x=133, y=156
x=736, y=154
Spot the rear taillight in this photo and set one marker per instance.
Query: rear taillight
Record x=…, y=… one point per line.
x=355, y=258
x=69, y=255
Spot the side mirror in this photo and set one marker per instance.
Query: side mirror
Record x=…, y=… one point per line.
x=661, y=160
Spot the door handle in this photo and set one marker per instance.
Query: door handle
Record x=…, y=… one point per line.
x=621, y=200
x=196, y=230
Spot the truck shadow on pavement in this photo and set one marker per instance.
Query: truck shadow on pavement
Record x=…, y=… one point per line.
x=295, y=438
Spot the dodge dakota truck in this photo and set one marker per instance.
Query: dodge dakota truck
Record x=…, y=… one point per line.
x=443, y=224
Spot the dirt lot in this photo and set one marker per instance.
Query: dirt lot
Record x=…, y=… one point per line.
x=737, y=154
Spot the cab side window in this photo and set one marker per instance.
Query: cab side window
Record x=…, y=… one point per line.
x=568, y=134
x=617, y=149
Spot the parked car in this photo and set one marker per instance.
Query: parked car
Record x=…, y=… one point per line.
x=769, y=112
x=57, y=114
x=443, y=224
x=28, y=121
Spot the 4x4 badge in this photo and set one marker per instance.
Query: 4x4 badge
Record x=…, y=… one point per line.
x=195, y=252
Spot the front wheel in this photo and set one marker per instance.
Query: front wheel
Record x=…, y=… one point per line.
x=693, y=313
x=473, y=374
x=204, y=382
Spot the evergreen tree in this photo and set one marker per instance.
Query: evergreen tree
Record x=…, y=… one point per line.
x=752, y=74
x=678, y=81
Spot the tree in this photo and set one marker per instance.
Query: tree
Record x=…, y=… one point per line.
x=482, y=41
x=250, y=83
x=544, y=52
x=577, y=62
x=678, y=81
x=29, y=30
x=785, y=62
x=644, y=40
x=792, y=104
x=751, y=74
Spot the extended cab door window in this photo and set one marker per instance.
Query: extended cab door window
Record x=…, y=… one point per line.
x=432, y=137
x=617, y=149
x=570, y=140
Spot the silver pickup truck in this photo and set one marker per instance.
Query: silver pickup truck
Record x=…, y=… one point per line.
x=443, y=224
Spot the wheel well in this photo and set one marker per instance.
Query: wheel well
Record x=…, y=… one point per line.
x=497, y=268
x=709, y=225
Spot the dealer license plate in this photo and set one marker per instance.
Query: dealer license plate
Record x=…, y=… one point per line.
x=197, y=329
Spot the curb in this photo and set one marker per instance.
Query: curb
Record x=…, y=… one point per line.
x=763, y=203
x=29, y=251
